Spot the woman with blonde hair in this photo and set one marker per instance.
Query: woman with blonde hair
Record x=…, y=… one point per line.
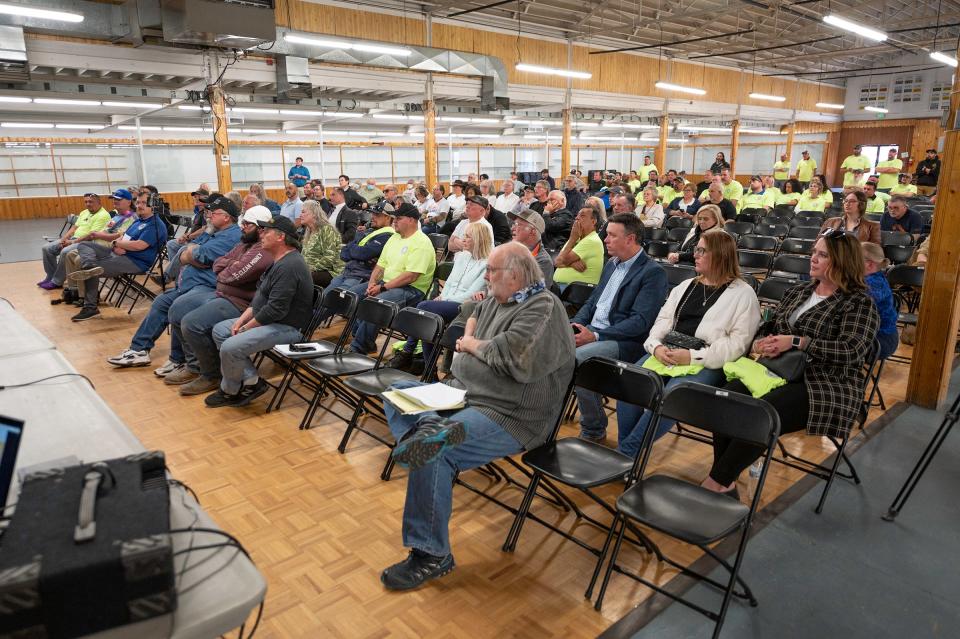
x=708, y=217
x=321, y=244
x=815, y=198
x=651, y=213
x=466, y=278
x=874, y=265
x=707, y=321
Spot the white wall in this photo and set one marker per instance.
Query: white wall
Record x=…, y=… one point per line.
x=921, y=109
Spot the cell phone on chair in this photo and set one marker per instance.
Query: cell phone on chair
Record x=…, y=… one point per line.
x=301, y=348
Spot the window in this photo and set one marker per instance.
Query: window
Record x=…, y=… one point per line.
x=940, y=96
x=908, y=89
x=873, y=95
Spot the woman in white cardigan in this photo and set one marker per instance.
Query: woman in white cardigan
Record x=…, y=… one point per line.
x=718, y=308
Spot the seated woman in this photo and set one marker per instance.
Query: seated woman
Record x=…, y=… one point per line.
x=466, y=278
x=853, y=220
x=581, y=258
x=815, y=198
x=687, y=204
x=833, y=321
x=708, y=217
x=321, y=244
x=650, y=212
x=790, y=194
x=718, y=308
x=874, y=264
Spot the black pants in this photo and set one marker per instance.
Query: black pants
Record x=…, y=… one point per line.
x=321, y=278
x=731, y=457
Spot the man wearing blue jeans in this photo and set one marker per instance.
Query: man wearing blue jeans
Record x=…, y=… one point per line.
x=615, y=320
x=403, y=274
x=195, y=285
x=515, y=360
x=361, y=255
x=281, y=308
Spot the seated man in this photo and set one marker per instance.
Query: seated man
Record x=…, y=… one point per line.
x=515, y=361
x=403, y=273
x=123, y=217
x=194, y=286
x=361, y=255
x=135, y=252
x=237, y=275
x=281, y=308
x=615, y=320
x=900, y=218
x=92, y=218
x=176, y=244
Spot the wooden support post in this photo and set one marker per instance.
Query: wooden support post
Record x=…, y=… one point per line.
x=430, y=143
x=565, y=145
x=940, y=303
x=734, y=147
x=831, y=157
x=791, y=128
x=660, y=157
x=221, y=144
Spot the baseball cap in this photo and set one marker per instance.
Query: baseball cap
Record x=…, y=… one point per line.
x=479, y=199
x=201, y=192
x=122, y=194
x=283, y=224
x=407, y=210
x=221, y=202
x=384, y=208
x=531, y=217
x=256, y=214
x=459, y=183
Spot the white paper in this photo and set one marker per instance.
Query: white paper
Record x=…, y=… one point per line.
x=435, y=396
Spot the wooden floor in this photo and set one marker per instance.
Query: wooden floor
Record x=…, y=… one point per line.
x=321, y=526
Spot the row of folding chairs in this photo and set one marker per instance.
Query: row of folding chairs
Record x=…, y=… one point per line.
x=133, y=286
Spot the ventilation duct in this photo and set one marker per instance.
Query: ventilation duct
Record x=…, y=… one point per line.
x=293, y=78
x=13, y=56
x=220, y=23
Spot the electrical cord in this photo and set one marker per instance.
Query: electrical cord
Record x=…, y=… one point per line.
x=8, y=302
x=43, y=379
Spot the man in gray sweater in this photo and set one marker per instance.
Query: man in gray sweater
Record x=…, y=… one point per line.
x=281, y=308
x=515, y=361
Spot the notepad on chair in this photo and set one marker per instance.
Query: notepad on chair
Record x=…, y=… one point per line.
x=420, y=399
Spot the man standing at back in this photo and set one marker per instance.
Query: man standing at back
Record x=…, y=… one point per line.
x=806, y=168
x=615, y=320
x=889, y=171
x=781, y=171
x=852, y=163
x=299, y=175
x=928, y=172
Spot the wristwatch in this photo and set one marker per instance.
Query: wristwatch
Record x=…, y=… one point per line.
x=796, y=342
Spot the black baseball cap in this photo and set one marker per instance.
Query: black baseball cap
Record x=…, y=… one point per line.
x=201, y=192
x=479, y=199
x=407, y=210
x=283, y=224
x=217, y=201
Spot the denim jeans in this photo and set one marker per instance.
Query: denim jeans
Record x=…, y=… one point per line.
x=632, y=420
x=90, y=254
x=593, y=419
x=196, y=329
x=156, y=321
x=180, y=351
x=55, y=262
x=426, y=512
x=235, y=350
x=349, y=283
x=364, y=333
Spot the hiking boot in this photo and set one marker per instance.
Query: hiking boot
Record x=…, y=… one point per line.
x=401, y=360
x=130, y=358
x=181, y=375
x=433, y=435
x=85, y=314
x=199, y=386
x=85, y=274
x=414, y=571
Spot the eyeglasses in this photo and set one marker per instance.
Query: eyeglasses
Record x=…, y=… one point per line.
x=494, y=269
x=700, y=251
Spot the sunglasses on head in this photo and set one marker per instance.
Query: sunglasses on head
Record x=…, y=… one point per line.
x=834, y=234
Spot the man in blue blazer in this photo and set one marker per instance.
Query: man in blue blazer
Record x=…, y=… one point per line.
x=615, y=320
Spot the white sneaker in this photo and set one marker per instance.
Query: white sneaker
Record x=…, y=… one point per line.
x=167, y=368
x=130, y=358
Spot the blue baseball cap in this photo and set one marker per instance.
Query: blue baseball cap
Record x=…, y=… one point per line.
x=122, y=194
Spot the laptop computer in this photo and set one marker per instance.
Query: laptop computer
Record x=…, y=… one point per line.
x=11, y=430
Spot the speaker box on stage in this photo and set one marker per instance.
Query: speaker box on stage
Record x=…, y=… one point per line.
x=87, y=549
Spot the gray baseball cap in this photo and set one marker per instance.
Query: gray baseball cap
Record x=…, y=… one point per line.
x=531, y=217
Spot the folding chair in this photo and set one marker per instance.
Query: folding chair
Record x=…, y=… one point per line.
x=688, y=512
x=678, y=234
x=772, y=289
x=758, y=243
x=796, y=246
x=790, y=266
x=773, y=218
x=772, y=230
x=678, y=222
x=439, y=241
x=898, y=254
x=661, y=235
x=576, y=295
x=748, y=218
x=677, y=273
x=907, y=283
x=895, y=238
x=740, y=228
x=324, y=372
x=804, y=232
x=585, y=465
x=660, y=250
x=755, y=213
x=127, y=286
x=754, y=262
x=440, y=274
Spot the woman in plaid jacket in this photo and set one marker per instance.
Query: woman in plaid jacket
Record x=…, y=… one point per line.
x=833, y=320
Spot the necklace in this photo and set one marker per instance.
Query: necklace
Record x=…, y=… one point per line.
x=710, y=297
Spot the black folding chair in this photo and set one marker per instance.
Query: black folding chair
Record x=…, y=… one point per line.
x=585, y=465
x=412, y=323
x=688, y=512
x=678, y=234
x=796, y=246
x=576, y=295
x=324, y=373
x=808, y=218
x=771, y=230
x=790, y=266
x=677, y=273
x=804, y=232
x=440, y=274
x=754, y=262
x=895, y=238
x=439, y=241
x=662, y=235
x=758, y=243
x=755, y=213
x=773, y=218
x=740, y=228
x=660, y=250
x=678, y=222
x=772, y=289
x=906, y=282
x=748, y=218
x=898, y=254
x=751, y=280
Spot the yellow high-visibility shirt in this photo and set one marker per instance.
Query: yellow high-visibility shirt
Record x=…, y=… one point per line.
x=854, y=162
x=889, y=180
x=781, y=171
x=876, y=205
x=904, y=189
x=644, y=171
x=806, y=169
x=761, y=200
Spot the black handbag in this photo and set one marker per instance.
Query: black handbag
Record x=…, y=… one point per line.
x=676, y=339
x=790, y=365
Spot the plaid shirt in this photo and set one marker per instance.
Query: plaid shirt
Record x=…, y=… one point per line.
x=841, y=329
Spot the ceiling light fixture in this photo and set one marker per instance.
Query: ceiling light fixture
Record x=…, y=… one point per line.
x=541, y=138
x=853, y=27
x=533, y=68
x=667, y=86
x=763, y=131
x=310, y=114
x=191, y=129
x=536, y=122
x=944, y=58
x=135, y=105
x=828, y=105
x=343, y=44
x=192, y=107
x=127, y=127
x=26, y=125
x=13, y=98
x=876, y=109
x=45, y=14
x=246, y=130
x=255, y=111
x=706, y=129
x=770, y=98
x=66, y=102
x=79, y=126
x=346, y=115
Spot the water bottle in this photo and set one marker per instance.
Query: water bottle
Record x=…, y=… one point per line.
x=756, y=468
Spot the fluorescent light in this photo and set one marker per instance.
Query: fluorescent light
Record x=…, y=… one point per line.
x=853, y=27
x=346, y=115
x=255, y=111
x=944, y=58
x=585, y=125
x=191, y=129
x=46, y=14
x=79, y=126
x=537, y=122
x=469, y=135
x=765, y=96
x=246, y=130
x=763, y=131
x=300, y=131
x=343, y=44
x=533, y=68
x=450, y=118
x=302, y=113
x=666, y=86
x=626, y=125
x=66, y=102
x=26, y=125
x=396, y=116
x=11, y=98
x=135, y=105
x=706, y=129
x=606, y=138
x=127, y=127
x=876, y=109
x=677, y=140
x=541, y=138
x=486, y=120
x=192, y=107
x=828, y=105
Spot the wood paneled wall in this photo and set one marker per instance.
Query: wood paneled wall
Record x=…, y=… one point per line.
x=620, y=72
x=913, y=136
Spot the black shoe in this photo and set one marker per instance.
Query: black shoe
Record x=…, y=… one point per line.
x=433, y=435
x=218, y=398
x=416, y=368
x=85, y=314
x=159, y=280
x=417, y=569
x=401, y=360
x=247, y=394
